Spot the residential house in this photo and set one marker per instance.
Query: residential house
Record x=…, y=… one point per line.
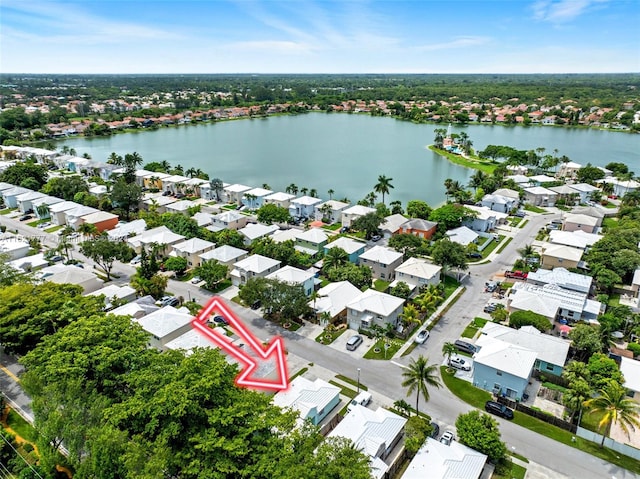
x=313, y=400
x=311, y=241
x=330, y=211
x=281, y=236
x=521, y=180
x=538, y=180
x=143, y=178
x=383, y=261
x=517, y=169
x=192, y=186
x=283, y=200
x=45, y=213
x=594, y=211
x=191, y=250
x=622, y=187
x=553, y=302
x=392, y=225
x=417, y=273
x=373, y=307
x=588, y=224
x=28, y=264
x=158, y=202
x=294, y=277
x=203, y=219
x=576, y=239
x=568, y=170
x=304, y=207
x=513, y=194
x=10, y=195
x=102, y=220
x=540, y=196
x=225, y=255
x=635, y=283
x=485, y=219
x=5, y=186
x=254, y=198
x=13, y=246
x=230, y=220
x=557, y=255
x=418, y=227
x=349, y=215
x=585, y=191
x=353, y=248
x=454, y=461
x=499, y=203
x=69, y=274
x=154, y=181
x=181, y=207
x=25, y=200
x=174, y=184
x=99, y=191
x=251, y=267
x=75, y=217
x=114, y=293
x=566, y=193
x=375, y=433
x=502, y=368
x=165, y=324
x=191, y=340
x=463, y=235
x=57, y=211
x=254, y=231
x=137, y=308
x=563, y=278
x=122, y=231
x=333, y=299
x=234, y=193
x=551, y=351
x=161, y=236
x=630, y=369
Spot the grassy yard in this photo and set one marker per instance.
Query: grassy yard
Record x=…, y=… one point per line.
x=609, y=223
x=21, y=427
x=380, y=285
x=504, y=245
x=516, y=472
x=7, y=211
x=395, y=345
x=485, y=252
x=332, y=227
x=353, y=382
x=53, y=229
x=222, y=285
x=515, y=221
x=534, y=209
x=327, y=337
x=450, y=285
x=471, y=330
x=475, y=164
x=523, y=224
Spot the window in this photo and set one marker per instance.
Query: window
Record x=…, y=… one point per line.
x=381, y=275
x=549, y=367
x=499, y=373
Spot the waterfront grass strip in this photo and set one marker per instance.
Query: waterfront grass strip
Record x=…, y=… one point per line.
x=473, y=163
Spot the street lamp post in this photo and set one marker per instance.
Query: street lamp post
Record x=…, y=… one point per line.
x=358, y=380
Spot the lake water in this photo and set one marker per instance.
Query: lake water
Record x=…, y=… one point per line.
x=345, y=152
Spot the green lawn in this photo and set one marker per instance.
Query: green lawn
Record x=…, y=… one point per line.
x=299, y=373
x=222, y=285
x=53, y=229
x=332, y=227
x=353, y=382
x=476, y=164
x=485, y=252
x=7, y=211
x=380, y=285
x=450, y=285
x=516, y=472
x=327, y=337
x=21, y=427
x=610, y=205
x=515, y=221
x=534, y=209
x=523, y=224
x=395, y=345
x=504, y=245
x=469, y=332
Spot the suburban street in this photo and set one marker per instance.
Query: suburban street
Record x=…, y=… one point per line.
x=384, y=377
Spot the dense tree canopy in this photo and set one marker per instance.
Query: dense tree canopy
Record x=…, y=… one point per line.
x=529, y=318
x=65, y=187
x=27, y=174
x=480, y=431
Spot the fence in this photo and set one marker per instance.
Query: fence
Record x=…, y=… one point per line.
x=567, y=426
x=625, y=449
x=557, y=380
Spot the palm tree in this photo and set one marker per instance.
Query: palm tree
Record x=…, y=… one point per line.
x=477, y=179
x=115, y=159
x=292, y=189
x=88, y=229
x=166, y=166
x=439, y=138
x=449, y=349
x=313, y=192
x=383, y=186
x=266, y=186
x=191, y=172
x=43, y=210
x=575, y=396
x=304, y=190
x=216, y=186
x=335, y=257
x=86, y=155
x=331, y=192
x=418, y=377
x=526, y=252
x=410, y=315
x=616, y=407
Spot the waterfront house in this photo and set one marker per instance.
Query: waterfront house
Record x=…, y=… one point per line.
x=192, y=186
x=174, y=184
x=558, y=255
x=563, y=278
x=10, y=195
x=349, y=215
x=538, y=180
x=513, y=194
x=375, y=433
x=373, y=307
x=568, y=170
x=234, y=193
x=574, y=222
x=45, y=200
x=330, y=211
x=313, y=400
x=462, y=235
x=161, y=236
x=540, y=196
x=191, y=250
x=502, y=368
x=499, y=203
x=353, y=248
x=254, y=198
x=25, y=200
x=418, y=227
x=225, y=255
x=622, y=187
x=158, y=202
x=254, y=231
x=251, y=267
x=155, y=180
x=230, y=220
x=333, y=299
x=165, y=324
x=142, y=177
x=102, y=220
x=181, y=206
x=382, y=261
x=551, y=351
x=303, y=207
x=311, y=241
x=454, y=461
x=283, y=200
x=294, y=277
x=585, y=191
x=417, y=273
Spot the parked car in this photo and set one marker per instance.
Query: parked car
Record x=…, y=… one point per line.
x=498, y=409
x=220, y=320
x=465, y=346
x=422, y=336
x=490, y=307
x=520, y=214
x=169, y=301
x=136, y=260
x=195, y=280
x=25, y=217
x=344, y=229
x=475, y=255
x=376, y=238
x=515, y=274
x=459, y=363
x=435, y=430
x=491, y=286
x=56, y=259
x=354, y=342
x=447, y=437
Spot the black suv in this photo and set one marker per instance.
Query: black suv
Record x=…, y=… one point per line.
x=498, y=409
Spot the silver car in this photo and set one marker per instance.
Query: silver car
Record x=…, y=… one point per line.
x=459, y=363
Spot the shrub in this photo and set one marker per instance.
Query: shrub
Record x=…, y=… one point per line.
x=634, y=348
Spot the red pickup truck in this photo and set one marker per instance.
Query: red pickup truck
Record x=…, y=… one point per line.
x=515, y=274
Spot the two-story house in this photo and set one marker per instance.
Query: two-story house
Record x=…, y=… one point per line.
x=254, y=231
x=283, y=200
x=303, y=207
x=330, y=211
x=295, y=277
x=191, y=250
x=349, y=215
x=313, y=400
x=382, y=261
x=255, y=197
x=353, y=248
x=251, y=267
x=225, y=255
x=418, y=227
x=502, y=204
x=311, y=241
x=418, y=273
x=373, y=307
x=230, y=220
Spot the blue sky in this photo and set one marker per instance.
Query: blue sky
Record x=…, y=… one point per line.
x=300, y=36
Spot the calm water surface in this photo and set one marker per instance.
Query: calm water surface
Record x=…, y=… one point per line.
x=346, y=153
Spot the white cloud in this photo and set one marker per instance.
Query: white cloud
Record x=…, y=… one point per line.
x=459, y=42
x=271, y=46
x=561, y=11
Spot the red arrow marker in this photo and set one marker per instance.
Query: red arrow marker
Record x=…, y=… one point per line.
x=274, y=353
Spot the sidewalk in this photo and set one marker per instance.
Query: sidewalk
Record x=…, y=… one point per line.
x=538, y=471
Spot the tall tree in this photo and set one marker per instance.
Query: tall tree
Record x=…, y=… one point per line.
x=449, y=254
x=383, y=186
x=616, y=408
x=480, y=431
x=212, y=272
x=335, y=257
x=216, y=186
x=126, y=196
x=419, y=376
x=105, y=252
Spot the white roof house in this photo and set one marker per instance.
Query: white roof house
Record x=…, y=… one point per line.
x=562, y=277
x=74, y=216
x=236, y=188
x=181, y=206
x=354, y=212
x=306, y=201
x=575, y=239
x=203, y=219
x=347, y=244
x=375, y=433
x=192, y=246
x=111, y=291
x=311, y=399
x=224, y=254
x=191, y=340
x=159, y=201
x=455, y=461
x=381, y=254
x=279, y=198
x=74, y=275
x=254, y=231
x=559, y=251
x=125, y=230
x=418, y=272
x=281, y=236
x=502, y=356
x=259, y=192
x=313, y=235
x=595, y=211
x=513, y=194
x=542, y=178
x=630, y=369
x=29, y=263
x=294, y=276
x=160, y=235
x=334, y=297
x=136, y=309
x=551, y=349
x=375, y=302
x=165, y=325
x=13, y=246
x=463, y=235
x=256, y=264
x=392, y=223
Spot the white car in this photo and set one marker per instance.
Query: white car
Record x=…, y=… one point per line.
x=195, y=280
x=459, y=363
x=422, y=336
x=447, y=437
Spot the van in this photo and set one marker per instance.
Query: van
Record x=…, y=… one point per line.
x=354, y=342
x=465, y=347
x=362, y=399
